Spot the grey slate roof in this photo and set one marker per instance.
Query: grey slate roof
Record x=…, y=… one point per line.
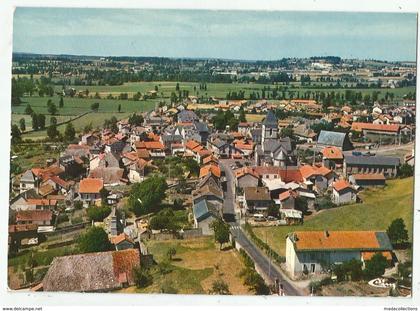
x=171, y=138
x=383, y=239
x=270, y=120
x=203, y=209
x=372, y=160
x=201, y=127
x=273, y=145
x=28, y=176
x=336, y=139
x=187, y=116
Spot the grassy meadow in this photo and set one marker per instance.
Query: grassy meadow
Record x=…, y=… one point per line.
x=197, y=263
x=379, y=208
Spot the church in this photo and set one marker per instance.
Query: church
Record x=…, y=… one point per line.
x=273, y=150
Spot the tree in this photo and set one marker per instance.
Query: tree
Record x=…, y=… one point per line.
x=94, y=106
x=397, y=231
x=119, y=107
x=221, y=231
x=242, y=116
x=35, y=125
x=136, y=119
x=52, y=108
x=146, y=197
x=142, y=277
x=41, y=121
x=273, y=211
x=287, y=132
x=52, y=131
x=98, y=213
x=94, y=240
x=53, y=120
x=22, y=124
x=219, y=287
x=69, y=132
x=28, y=109
x=406, y=170
x=61, y=103
x=192, y=166
x=15, y=134
x=171, y=252
x=301, y=204
x=375, y=267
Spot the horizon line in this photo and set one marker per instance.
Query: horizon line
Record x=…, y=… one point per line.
x=215, y=58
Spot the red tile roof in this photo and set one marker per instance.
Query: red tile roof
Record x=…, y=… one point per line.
x=120, y=238
x=191, y=144
x=43, y=202
x=321, y=240
x=368, y=255
x=368, y=176
x=34, y=215
x=210, y=168
x=154, y=145
x=360, y=126
x=341, y=185
x=246, y=171
x=308, y=171
x=91, y=185
x=332, y=153
x=287, y=194
x=22, y=228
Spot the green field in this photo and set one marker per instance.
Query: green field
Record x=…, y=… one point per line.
x=74, y=107
x=379, y=208
x=220, y=90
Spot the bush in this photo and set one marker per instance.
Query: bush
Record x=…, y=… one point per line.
x=406, y=170
x=78, y=205
x=375, y=267
x=94, y=240
x=264, y=246
x=96, y=213
x=315, y=286
x=62, y=218
x=323, y=203
x=165, y=267
x=219, y=287
x=142, y=277
x=167, y=288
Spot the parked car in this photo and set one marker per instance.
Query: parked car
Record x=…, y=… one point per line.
x=259, y=217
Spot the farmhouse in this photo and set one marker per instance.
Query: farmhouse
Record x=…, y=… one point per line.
x=204, y=214
x=367, y=180
x=343, y=193
x=92, y=272
x=332, y=157
x=257, y=198
x=246, y=177
x=371, y=165
x=335, y=139
x=36, y=217
x=90, y=189
x=307, y=252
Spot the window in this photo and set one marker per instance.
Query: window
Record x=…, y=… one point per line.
x=312, y=268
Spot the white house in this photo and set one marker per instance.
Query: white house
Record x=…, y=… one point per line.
x=312, y=252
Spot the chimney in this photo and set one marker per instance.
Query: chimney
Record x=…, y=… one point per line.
x=326, y=233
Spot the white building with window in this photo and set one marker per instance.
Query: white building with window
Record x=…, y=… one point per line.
x=311, y=252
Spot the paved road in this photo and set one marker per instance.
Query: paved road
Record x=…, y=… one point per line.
x=254, y=252
x=263, y=262
x=229, y=195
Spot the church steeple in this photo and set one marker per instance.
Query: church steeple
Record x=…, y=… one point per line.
x=269, y=127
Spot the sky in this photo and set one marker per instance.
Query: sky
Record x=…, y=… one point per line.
x=245, y=35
